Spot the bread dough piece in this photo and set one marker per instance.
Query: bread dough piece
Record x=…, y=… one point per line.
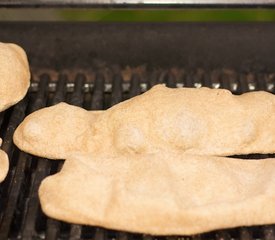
x=56, y=131
x=161, y=194
x=14, y=83
x=14, y=74
x=4, y=164
x=195, y=121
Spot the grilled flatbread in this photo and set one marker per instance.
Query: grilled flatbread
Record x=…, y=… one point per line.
x=56, y=131
x=194, y=121
x=4, y=165
x=161, y=194
x=14, y=83
x=14, y=74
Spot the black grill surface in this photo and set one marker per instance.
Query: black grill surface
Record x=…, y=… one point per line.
x=20, y=213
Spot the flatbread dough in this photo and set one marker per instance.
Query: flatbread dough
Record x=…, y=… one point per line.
x=14, y=74
x=161, y=194
x=14, y=83
x=195, y=121
x=4, y=164
x=54, y=132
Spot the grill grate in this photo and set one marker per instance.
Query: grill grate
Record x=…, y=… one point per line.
x=20, y=213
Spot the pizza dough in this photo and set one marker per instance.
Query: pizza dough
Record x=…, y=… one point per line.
x=56, y=131
x=4, y=164
x=195, y=121
x=14, y=74
x=162, y=194
x=14, y=83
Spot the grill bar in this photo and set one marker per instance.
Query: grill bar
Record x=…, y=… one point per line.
x=53, y=226
x=98, y=94
x=171, y=81
x=42, y=170
x=14, y=178
x=135, y=88
x=116, y=95
x=77, y=100
x=21, y=217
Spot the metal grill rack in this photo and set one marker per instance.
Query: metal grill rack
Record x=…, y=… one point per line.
x=20, y=213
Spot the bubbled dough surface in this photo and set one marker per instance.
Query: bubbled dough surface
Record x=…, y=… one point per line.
x=196, y=121
x=56, y=131
x=163, y=194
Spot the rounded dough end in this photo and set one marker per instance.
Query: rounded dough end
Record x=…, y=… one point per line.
x=4, y=165
x=14, y=74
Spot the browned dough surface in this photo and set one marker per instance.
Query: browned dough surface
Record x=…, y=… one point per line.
x=161, y=194
x=14, y=74
x=196, y=121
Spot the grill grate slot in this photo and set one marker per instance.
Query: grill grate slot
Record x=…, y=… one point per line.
x=223, y=235
x=261, y=81
x=245, y=234
x=269, y=233
x=116, y=95
x=60, y=92
x=21, y=216
x=153, y=79
x=98, y=94
x=12, y=186
x=135, y=86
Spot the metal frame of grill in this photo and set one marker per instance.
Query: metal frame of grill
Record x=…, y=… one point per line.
x=84, y=45
x=138, y=3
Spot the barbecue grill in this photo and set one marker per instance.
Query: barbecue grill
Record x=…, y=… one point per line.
x=97, y=65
